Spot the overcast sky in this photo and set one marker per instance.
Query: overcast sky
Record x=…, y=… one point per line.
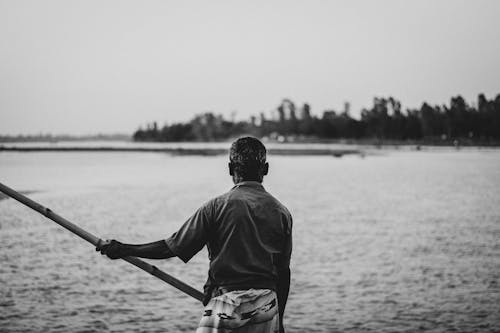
x=84, y=67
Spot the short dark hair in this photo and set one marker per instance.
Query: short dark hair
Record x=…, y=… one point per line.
x=248, y=157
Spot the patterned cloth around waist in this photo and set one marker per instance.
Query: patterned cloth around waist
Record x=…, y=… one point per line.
x=253, y=310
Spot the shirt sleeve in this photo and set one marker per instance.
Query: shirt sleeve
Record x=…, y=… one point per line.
x=284, y=257
x=192, y=236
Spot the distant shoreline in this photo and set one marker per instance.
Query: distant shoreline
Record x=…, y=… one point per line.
x=206, y=151
x=221, y=148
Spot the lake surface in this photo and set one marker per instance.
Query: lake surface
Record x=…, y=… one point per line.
x=399, y=242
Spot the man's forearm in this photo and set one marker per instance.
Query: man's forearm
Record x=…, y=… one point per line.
x=282, y=292
x=154, y=250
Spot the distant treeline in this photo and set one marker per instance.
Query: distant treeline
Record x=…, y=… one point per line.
x=385, y=120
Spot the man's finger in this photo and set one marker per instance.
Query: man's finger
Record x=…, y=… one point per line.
x=102, y=245
x=104, y=249
x=113, y=252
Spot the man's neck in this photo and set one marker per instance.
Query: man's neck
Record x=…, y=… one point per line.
x=237, y=179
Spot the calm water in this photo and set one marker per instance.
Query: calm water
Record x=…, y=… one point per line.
x=401, y=242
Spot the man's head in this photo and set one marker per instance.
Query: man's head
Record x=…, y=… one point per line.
x=247, y=160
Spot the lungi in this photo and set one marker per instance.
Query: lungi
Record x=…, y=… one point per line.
x=241, y=311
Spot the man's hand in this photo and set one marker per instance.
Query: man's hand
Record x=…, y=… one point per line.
x=113, y=249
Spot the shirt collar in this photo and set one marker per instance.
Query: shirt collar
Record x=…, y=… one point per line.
x=249, y=183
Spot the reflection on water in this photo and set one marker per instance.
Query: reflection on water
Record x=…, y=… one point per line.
x=403, y=242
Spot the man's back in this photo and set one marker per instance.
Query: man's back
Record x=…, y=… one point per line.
x=250, y=236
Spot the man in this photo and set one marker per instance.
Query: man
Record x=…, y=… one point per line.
x=248, y=234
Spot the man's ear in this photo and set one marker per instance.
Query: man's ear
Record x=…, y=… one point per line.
x=265, y=170
x=231, y=168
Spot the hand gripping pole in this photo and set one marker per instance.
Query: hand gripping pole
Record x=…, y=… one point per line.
x=94, y=240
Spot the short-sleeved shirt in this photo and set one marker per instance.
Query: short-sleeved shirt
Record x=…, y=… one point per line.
x=248, y=234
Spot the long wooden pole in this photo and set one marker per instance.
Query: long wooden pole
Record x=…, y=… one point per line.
x=94, y=240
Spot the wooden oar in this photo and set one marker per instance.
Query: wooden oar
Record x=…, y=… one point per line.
x=96, y=241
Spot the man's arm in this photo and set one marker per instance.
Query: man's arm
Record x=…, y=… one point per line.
x=184, y=244
x=283, y=268
x=282, y=292
x=155, y=250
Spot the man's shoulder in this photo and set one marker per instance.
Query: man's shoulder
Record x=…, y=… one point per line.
x=280, y=205
x=221, y=198
x=217, y=201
